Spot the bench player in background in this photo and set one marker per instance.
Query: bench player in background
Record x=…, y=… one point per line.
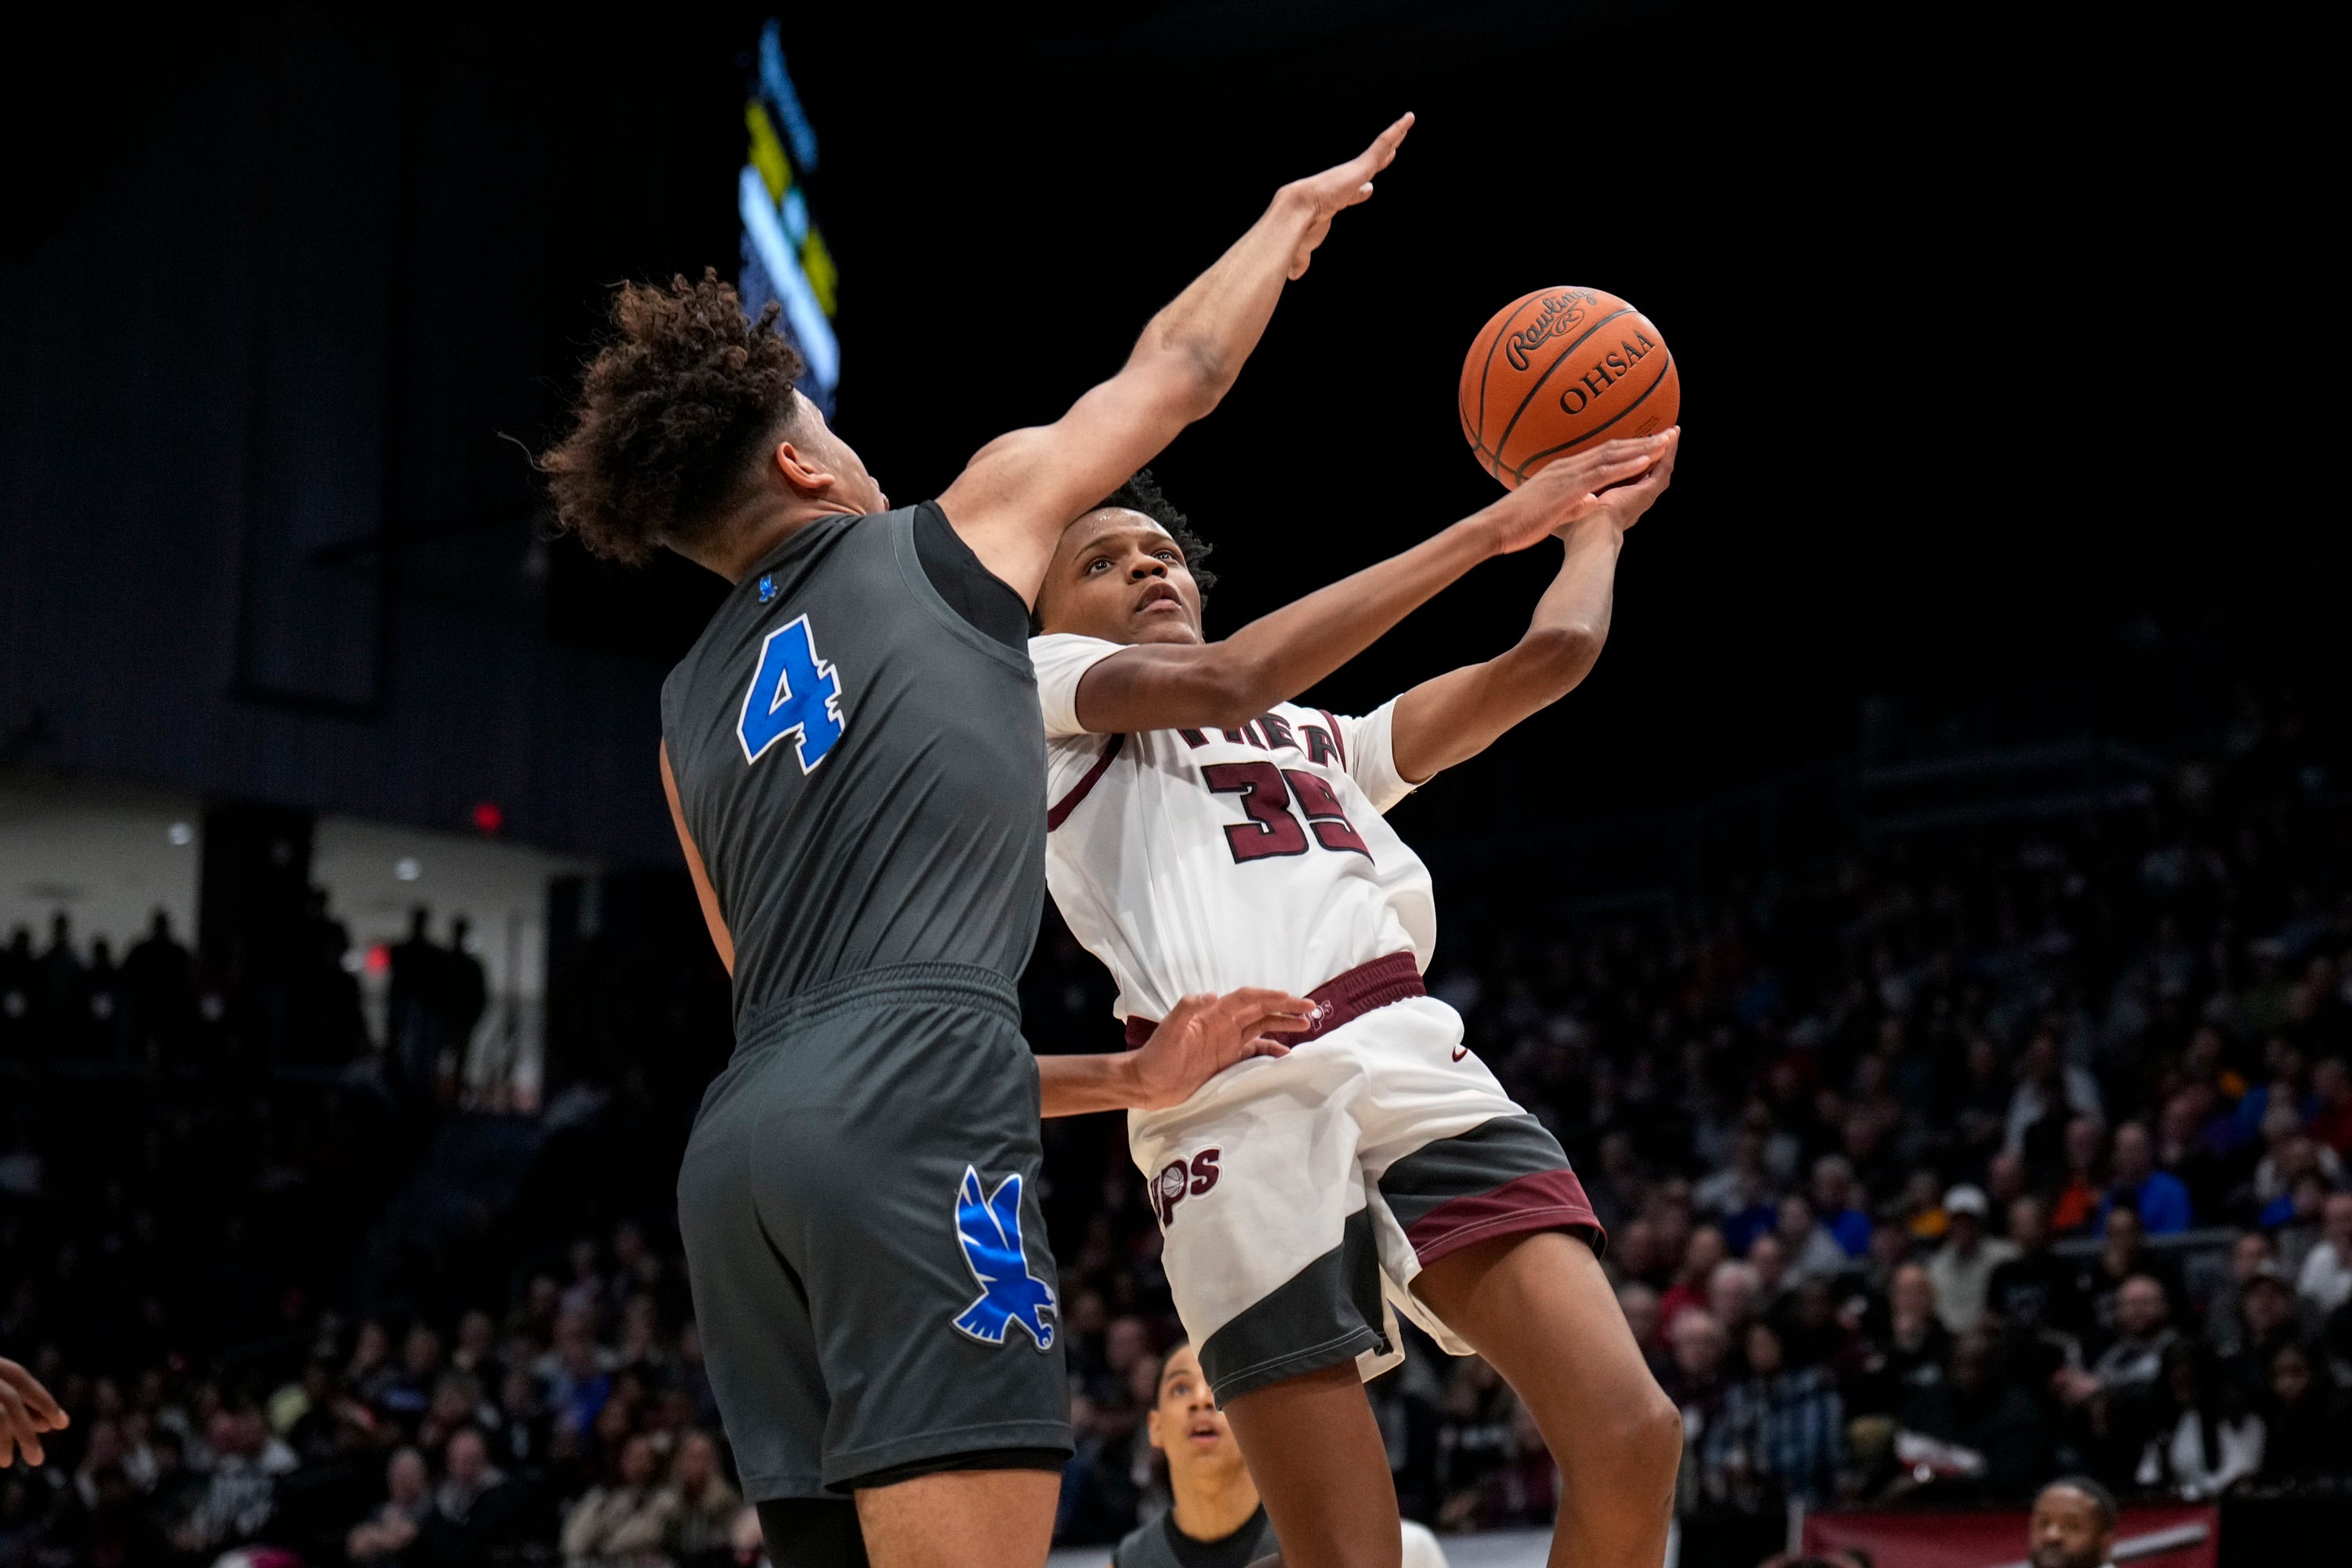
x=1204, y=834
x=1215, y=1517
x=851, y=756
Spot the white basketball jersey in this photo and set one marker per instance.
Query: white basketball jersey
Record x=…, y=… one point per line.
x=1205, y=860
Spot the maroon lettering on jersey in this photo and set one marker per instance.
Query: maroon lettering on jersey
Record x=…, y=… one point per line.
x=1277, y=732
x=1270, y=830
x=1180, y=1178
x=1320, y=748
x=1244, y=736
x=1168, y=1189
x=1338, y=740
x=1193, y=738
x=1319, y=803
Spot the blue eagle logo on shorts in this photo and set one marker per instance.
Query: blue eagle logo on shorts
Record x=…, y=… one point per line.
x=990, y=1229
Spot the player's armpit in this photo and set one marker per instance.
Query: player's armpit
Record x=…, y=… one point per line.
x=704, y=893
x=1013, y=500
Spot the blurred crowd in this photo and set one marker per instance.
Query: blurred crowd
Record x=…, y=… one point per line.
x=1973, y=1158
x=291, y=1003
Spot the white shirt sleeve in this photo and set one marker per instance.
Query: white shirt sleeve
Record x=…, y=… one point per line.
x=1420, y=1548
x=1060, y=660
x=1371, y=759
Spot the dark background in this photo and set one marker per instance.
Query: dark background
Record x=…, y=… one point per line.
x=2003, y=330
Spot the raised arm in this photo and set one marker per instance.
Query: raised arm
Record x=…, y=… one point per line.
x=1021, y=490
x=1458, y=715
x=1165, y=686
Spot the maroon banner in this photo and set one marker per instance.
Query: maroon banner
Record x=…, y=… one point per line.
x=2166, y=1535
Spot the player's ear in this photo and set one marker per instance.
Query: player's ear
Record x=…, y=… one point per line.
x=1151, y=1428
x=805, y=472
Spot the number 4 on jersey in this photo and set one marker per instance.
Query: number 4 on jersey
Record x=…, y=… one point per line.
x=794, y=693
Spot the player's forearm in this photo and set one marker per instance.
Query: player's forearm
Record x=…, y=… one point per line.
x=1075, y=1086
x=1212, y=327
x=1277, y=657
x=1452, y=719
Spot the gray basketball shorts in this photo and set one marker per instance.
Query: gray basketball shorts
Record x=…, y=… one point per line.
x=860, y=1210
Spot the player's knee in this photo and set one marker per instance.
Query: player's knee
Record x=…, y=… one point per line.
x=1632, y=1449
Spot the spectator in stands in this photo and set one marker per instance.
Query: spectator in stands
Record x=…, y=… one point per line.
x=2307, y=1432
x=1984, y=1438
x=393, y=1527
x=2324, y=1282
x=1780, y=1434
x=1702, y=1254
x=2136, y=1356
x=2051, y=1094
x=240, y=1495
x=2204, y=1441
x=2123, y=1254
x=1812, y=1253
x=471, y=1507
x=1735, y=1296
x=1701, y=1350
x=2266, y=1318
x=1961, y=1269
x=622, y=1522
x=702, y=1518
x=1834, y=1206
x=2076, y=1206
x=1906, y=1351
x=2331, y=1099
x=1739, y=1196
x=2157, y=1196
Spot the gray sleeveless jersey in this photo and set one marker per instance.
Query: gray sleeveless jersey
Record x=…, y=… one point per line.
x=863, y=771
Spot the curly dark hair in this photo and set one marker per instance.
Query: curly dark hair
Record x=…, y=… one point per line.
x=1141, y=494
x=671, y=412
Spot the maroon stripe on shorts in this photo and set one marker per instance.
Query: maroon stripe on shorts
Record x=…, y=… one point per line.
x=1364, y=989
x=1069, y=803
x=1548, y=1200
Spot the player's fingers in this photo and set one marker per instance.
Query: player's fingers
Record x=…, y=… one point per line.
x=1261, y=1009
x=1263, y=1046
x=25, y=1389
x=1384, y=146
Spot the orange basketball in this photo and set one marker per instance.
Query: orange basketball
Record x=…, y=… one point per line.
x=1560, y=370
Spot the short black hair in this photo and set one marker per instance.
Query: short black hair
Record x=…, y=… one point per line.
x=679, y=399
x=1141, y=494
x=2102, y=1502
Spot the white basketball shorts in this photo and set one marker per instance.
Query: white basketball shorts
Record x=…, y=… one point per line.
x=1299, y=1195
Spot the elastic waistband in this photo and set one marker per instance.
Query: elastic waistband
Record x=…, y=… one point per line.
x=1340, y=1000
x=891, y=986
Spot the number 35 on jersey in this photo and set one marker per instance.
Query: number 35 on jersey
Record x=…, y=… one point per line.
x=794, y=693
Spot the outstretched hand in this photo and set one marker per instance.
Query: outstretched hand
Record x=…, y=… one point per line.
x=1203, y=1036
x=26, y=1412
x=1567, y=489
x=1324, y=195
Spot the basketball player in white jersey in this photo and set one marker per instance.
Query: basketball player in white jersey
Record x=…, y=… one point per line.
x=1204, y=834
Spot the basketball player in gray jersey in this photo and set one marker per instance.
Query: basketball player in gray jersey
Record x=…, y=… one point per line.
x=853, y=757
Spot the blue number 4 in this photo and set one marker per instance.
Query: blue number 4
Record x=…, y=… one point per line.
x=794, y=693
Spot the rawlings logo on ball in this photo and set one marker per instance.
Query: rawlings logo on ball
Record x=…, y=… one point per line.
x=1180, y=1179
x=1561, y=311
